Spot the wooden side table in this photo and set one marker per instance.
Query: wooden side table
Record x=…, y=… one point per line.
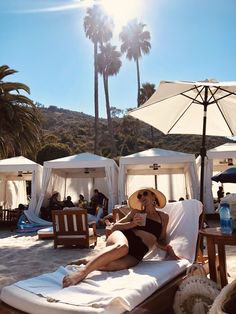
x=214, y=237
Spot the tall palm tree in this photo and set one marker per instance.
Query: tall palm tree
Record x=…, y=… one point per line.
x=135, y=42
x=98, y=28
x=146, y=92
x=19, y=118
x=109, y=63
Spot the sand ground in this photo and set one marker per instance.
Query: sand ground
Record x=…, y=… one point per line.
x=23, y=256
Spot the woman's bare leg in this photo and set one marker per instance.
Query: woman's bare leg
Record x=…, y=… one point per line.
x=117, y=247
x=121, y=263
x=80, y=261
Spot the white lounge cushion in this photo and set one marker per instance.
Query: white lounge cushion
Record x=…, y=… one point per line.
x=49, y=232
x=112, y=292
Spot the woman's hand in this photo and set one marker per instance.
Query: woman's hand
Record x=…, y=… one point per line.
x=125, y=224
x=137, y=220
x=170, y=252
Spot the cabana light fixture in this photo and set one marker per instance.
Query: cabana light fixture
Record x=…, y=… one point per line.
x=155, y=166
x=86, y=170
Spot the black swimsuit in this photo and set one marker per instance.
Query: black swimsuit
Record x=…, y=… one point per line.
x=137, y=248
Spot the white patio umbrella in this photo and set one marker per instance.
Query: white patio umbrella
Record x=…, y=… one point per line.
x=202, y=107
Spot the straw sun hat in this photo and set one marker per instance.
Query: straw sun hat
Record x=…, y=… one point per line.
x=135, y=203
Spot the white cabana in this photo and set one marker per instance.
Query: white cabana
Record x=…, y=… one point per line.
x=14, y=172
x=79, y=174
x=218, y=159
x=175, y=173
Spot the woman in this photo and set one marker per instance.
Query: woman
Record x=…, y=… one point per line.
x=129, y=242
x=54, y=203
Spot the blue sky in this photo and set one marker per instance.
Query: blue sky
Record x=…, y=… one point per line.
x=44, y=41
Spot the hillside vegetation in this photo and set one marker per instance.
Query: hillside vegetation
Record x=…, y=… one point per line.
x=76, y=130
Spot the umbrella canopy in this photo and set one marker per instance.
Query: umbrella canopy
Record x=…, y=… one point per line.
x=227, y=176
x=203, y=107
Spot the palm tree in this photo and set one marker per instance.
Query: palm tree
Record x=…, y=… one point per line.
x=98, y=28
x=146, y=92
x=19, y=118
x=135, y=42
x=109, y=63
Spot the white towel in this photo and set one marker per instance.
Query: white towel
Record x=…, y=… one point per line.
x=128, y=288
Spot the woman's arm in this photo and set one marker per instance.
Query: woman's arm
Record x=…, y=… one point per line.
x=128, y=222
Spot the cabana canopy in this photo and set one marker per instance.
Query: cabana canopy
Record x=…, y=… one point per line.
x=175, y=173
x=218, y=159
x=14, y=172
x=79, y=174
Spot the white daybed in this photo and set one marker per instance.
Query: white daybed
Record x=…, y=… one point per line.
x=115, y=292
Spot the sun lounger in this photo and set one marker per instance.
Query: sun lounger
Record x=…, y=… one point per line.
x=45, y=233
x=148, y=286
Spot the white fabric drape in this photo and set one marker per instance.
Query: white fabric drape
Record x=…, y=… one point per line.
x=68, y=177
x=45, y=181
x=14, y=172
x=176, y=175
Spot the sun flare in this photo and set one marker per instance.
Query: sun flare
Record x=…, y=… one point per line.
x=121, y=10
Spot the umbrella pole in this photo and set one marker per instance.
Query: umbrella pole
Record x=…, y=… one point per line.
x=155, y=177
x=203, y=147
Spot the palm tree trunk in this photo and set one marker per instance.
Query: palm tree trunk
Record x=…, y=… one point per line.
x=95, y=100
x=138, y=79
x=109, y=120
x=152, y=136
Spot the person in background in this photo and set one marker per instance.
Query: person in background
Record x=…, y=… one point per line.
x=129, y=240
x=54, y=203
x=83, y=203
x=97, y=201
x=220, y=193
x=68, y=202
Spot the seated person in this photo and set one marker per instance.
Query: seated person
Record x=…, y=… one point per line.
x=129, y=241
x=68, y=202
x=97, y=201
x=21, y=208
x=83, y=203
x=54, y=203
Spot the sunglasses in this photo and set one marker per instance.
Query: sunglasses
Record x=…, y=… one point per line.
x=145, y=193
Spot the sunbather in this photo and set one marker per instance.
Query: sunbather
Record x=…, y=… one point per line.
x=129, y=242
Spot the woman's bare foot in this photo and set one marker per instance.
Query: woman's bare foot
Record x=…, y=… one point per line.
x=73, y=279
x=80, y=261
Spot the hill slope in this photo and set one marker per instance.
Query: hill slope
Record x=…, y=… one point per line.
x=76, y=129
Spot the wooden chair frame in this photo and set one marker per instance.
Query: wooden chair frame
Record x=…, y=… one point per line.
x=9, y=217
x=70, y=227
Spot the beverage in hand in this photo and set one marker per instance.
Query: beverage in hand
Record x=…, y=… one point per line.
x=143, y=220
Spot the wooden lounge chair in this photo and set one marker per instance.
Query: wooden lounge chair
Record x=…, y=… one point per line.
x=70, y=227
x=9, y=217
